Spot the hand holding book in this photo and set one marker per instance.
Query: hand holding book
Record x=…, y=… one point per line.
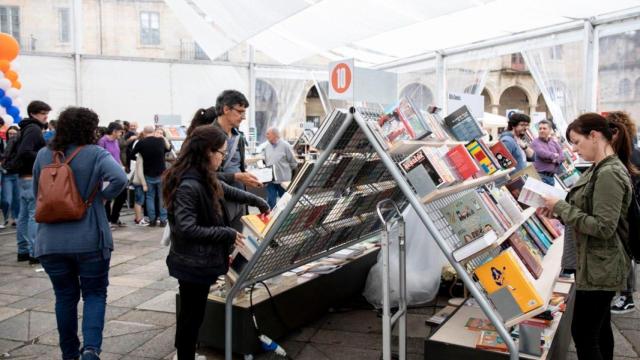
x=549, y=203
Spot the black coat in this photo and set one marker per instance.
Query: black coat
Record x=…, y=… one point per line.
x=201, y=239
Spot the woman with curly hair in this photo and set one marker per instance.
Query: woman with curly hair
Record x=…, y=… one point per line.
x=76, y=254
x=201, y=237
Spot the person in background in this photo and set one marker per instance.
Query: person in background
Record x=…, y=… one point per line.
x=30, y=142
x=50, y=132
x=623, y=303
x=110, y=143
x=279, y=155
x=139, y=187
x=201, y=236
x=130, y=137
x=4, y=127
x=597, y=207
x=548, y=152
x=76, y=254
x=10, y=202
x=513, y=139
x=153, y=149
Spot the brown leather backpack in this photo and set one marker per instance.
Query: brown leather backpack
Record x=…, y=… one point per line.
x=58, y=197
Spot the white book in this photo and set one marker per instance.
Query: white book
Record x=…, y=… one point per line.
x=534, y=189
x=475, y=246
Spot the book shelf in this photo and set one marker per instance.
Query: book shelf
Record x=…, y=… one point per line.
x=468, y=184
x=333, y=206
x=409, y=146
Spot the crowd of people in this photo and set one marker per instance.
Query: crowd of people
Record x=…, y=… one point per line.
x=202, y=194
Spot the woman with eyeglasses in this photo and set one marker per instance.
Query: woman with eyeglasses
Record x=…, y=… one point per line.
x=201, y=238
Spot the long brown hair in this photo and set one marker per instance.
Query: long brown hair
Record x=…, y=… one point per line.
x=622, y=146
x=194, y=154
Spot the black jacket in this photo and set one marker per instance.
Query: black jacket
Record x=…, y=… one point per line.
x=31, y=141
x=200, y=238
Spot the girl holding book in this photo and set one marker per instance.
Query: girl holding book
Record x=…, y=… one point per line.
x=596, y=207
x=201, y=238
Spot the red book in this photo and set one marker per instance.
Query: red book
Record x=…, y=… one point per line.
x=503, y=155
x=549, y=226
x=530, y=261
x=462, y=161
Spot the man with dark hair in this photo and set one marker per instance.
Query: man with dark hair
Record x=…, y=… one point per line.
x=110, y=143
x=28, y=145
x=513, y=139
x=231, y=108
x=548, y=152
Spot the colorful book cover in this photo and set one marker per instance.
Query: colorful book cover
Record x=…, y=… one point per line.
x=549, y=226
x=532, y=263
x=477, y=324
x=470, y=218
x=407, y=110
x=256, y=223
x=524, y=234
x=463, y=162
x=418, y=163
x=515, y=186
x=541, y=244
x=403, y=122
x=545, y=240
x=505, y=271
x=490, y=340
x=481, y=157
x=463, y=125
x=543, y=228
x=503, y=155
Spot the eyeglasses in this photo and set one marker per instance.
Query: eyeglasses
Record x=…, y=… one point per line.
x=223, y=153
x=241, y=112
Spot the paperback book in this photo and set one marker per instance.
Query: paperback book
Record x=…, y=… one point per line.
x=421, y=173
x=470, y=218
x=463, y=125
x=483, y=159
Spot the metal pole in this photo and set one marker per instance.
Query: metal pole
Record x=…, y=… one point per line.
x=240, y=283
x=441, y=81
x=386, y=311
x=77, y=48
x=419, y=208
x=402, y=306
x=589, y=72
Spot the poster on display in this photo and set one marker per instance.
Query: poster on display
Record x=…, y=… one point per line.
x=341, y=80
x=511, y=111
x=167, y=119
x=475, y=103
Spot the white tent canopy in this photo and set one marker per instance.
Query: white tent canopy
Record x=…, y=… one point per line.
x=373, y=32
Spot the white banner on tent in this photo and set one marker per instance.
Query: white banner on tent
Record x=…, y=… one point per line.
x=475, y=103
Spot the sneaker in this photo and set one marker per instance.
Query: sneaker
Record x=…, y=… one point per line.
x=89, y=354
x=119, y=224
x=23, y=257
x=141, y=222
x=163, y=223
x=152, y=223
x=198, y=357
x=622, y=305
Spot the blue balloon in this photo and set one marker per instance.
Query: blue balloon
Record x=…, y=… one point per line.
x=2, y=93
x=16, y=119
x=13, y=111
x=6, y=102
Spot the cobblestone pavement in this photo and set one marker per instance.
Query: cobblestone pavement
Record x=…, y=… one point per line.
x=140, y=314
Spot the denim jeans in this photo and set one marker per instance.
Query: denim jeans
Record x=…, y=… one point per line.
x=547, y=179
x=72, y=275
x=154, y=189
x=10, y=196
x=27, y=226
x=274, y=191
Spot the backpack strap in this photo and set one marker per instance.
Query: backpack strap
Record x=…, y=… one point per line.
x=75, y=152
x=89, y=201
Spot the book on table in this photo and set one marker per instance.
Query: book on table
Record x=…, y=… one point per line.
x=490, y=340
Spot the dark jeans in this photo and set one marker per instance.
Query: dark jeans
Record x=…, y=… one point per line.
x=274, y=191
x=154, y=191
x=10, y=196
x=193, y=300
x=72, y=275
x=113, y=212
x=591, y=325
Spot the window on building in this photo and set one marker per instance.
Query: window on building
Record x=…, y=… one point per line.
x=517, y=62
x=149, y=28
x=624, y=88
x=64, y=25
x=556, y=52
x=10, y=21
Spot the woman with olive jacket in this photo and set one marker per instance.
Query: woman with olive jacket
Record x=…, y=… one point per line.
x=596, y=208
x=201, y=238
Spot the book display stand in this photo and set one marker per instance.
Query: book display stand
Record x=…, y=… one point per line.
x=333, y=206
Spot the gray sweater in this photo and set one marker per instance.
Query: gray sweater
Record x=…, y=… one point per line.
x=92, y=167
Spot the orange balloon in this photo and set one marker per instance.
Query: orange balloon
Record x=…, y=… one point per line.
x=4, y=66
x=9, y=47
x=17, y=84
x=11, y=75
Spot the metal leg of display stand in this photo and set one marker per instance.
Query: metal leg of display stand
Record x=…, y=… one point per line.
x=400, y=316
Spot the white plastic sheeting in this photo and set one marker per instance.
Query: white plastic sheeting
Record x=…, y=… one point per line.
x=50, y=79
x=377, y=31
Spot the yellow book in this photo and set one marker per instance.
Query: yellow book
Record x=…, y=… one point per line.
x=505, y=271
x=256, y=223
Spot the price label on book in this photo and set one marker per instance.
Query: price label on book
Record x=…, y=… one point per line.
x=341, y=76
